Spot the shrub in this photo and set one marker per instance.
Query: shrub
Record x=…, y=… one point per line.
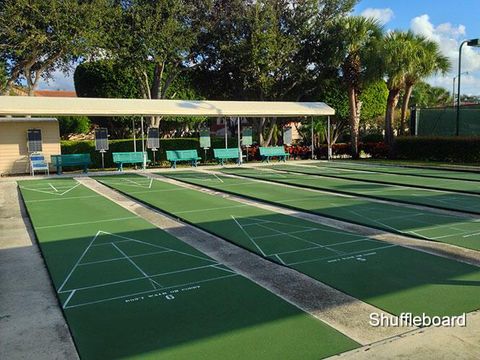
x=447, y=149
x=73, y=125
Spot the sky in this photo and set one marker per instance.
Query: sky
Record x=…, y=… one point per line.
x=446, y=22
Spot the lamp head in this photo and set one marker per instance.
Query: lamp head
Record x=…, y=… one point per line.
x=474, y=42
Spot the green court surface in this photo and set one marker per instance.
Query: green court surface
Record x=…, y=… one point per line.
x=308, y=177
x=424, y=224
x=130, y=290
x=405, y=170
x=388, y=276
x=462, y=186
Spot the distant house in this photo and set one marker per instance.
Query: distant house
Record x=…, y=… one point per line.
x=21, y=91
x=14, y=149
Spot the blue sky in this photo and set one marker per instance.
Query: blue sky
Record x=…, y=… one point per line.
x=446, y=22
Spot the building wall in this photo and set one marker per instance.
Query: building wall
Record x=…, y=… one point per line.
x=13, y=144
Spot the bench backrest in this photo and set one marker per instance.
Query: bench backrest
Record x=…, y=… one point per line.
x=173, y=155
x=128, y=157
x=71, y=159
x=226, y=153
x=272, y=151
x=37, y=161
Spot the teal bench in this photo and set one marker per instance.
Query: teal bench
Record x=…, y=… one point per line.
x=226, y=154
x=275, y=151
x=60, y=161
x=121, y=158
x=175, y=156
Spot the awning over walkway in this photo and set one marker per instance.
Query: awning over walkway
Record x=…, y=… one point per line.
x=24, y=105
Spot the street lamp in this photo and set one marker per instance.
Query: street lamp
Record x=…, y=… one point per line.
x=472, y=42
x=454, y=80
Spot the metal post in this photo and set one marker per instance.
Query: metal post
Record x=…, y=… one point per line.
x=226, y=134
x=457, y=131
x=134, y=136
x=329, y=146
x=312, y=137
x=239, y=142
x=453, y=92
x=143, y=147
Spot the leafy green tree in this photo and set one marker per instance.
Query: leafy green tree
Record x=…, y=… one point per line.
x=266, y=50
x=40, y=36
x=398, y=52
x=425, y=95
x=428, y=60
x=73, y=125
x=159, y=34
x=108, y=79
x=358, y=39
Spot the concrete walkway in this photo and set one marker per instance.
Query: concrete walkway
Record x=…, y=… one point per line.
x=31, y=322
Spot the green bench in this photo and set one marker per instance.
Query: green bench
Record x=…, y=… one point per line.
x=275, y=151
x=175, y=156
x=121, y=158
x=60, y=161
x=226, y=154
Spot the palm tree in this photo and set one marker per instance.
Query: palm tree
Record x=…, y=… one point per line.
x=428, y=61
x=358, y=38
x=398, y=54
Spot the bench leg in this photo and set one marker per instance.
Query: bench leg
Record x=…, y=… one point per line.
x=59, y=170
x=85, y=169
x=174, y=164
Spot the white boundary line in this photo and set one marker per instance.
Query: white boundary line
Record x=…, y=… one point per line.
x=87, y=222
x=149, y=291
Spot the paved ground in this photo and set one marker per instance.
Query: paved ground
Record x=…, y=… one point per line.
x=42, y=331
x=31, y=323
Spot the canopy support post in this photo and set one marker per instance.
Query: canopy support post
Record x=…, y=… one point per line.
x=239, y=142
x=312, y=137
x=226, y=138
x=329, y=143
x=144, y=165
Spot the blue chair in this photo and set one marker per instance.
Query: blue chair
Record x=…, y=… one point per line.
x=38, y=163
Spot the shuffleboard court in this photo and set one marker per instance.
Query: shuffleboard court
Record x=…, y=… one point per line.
x=130, y=290
x=462, y=186
x=422, y=224
x=388, y=276
x=304, y=176
x=406, y=170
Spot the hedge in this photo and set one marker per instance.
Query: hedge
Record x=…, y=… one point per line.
x=446, y=149
x=88, y=146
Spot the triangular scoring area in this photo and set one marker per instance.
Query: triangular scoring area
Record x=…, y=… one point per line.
x=52, y=188
x=114, y=266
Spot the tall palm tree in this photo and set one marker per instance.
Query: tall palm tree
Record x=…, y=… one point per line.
x=428, y=61
x=398, y=54
x=358, y=39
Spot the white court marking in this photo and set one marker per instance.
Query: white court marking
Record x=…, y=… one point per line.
x=155, y=284
x=357, y=255
x=51, y=190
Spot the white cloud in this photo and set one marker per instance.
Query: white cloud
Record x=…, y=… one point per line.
x=449, y=37
x=59, y=81
x=382, y=15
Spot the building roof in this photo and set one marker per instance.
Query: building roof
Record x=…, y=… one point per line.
x=55, y=93
x=54, y=106
x=26, y=119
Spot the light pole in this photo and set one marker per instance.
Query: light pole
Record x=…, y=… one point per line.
x=454, y=80
x=472, y=42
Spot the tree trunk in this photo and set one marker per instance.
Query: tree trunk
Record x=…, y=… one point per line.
x=270, y=132
x=405, y=104
x=260, y=128
x=354, y=118
x=392, y=102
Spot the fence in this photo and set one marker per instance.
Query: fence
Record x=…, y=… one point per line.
x=443, y=121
